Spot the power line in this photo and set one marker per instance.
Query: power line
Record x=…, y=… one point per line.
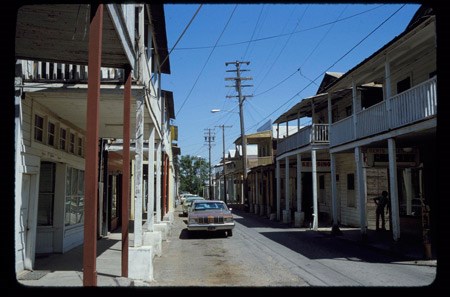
x=280, y=35
x=206, y=62
x=323, y=72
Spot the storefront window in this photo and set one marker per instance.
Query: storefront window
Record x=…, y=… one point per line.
x=74, y=202
x=46, y=194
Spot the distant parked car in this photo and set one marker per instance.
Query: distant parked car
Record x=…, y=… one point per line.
x=187, y=203
x=184, y=196
x=210, y=215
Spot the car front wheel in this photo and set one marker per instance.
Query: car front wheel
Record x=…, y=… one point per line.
x=229, y=232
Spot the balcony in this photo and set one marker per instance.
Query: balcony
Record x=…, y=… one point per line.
x=411, y=106
x=313, y=134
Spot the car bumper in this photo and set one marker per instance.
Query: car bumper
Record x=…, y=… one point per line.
x=210, y=227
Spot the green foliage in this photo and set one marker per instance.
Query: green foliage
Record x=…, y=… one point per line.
x=194, y=172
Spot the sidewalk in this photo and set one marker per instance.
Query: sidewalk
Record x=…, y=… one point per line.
x=407, y=248
x=65, y=270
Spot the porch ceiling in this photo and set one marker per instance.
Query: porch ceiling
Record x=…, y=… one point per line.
x=71, y=106
x=416, y=42
x=60, y=33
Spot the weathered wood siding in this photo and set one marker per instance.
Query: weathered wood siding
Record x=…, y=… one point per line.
x=56, y=238
x=345, y=164
x=418, y=70
x=376, y=182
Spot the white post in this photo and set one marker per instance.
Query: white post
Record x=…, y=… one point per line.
x=138, y=176
x=335, y=227
x=151, y=180
x=287, y=193
x=299, y=216
x=314, y=190
x=286, y=185
x=388, y=91
x=394, y=213
x=354, y=110
x=361, y=190
x=299, y=182
x=278, y=178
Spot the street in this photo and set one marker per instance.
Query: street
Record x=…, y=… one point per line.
x=264, y=253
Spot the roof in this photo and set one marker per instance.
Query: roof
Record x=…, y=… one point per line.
x=253, y=138
x=168, y=95
x=158, y=20
x=328, y=78
x=423, y=14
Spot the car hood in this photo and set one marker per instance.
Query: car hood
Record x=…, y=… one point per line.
x=203, y=213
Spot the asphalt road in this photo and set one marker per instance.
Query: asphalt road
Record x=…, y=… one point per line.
x=262, y=253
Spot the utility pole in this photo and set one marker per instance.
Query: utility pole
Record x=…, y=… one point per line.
x=223, y=162
x=238, y=86
x=209, y=138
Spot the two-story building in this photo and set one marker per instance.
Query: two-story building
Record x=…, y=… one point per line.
x=375, y=129
x=86, y=77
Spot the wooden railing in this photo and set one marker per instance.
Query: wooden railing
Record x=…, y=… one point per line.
x=315, y=133
x=408, y=107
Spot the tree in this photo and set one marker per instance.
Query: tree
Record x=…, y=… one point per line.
x=194, y=171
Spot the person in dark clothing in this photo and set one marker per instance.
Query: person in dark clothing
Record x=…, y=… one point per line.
x=381, y=202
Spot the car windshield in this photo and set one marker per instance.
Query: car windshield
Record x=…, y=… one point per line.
x=191, y=199
x=209, y=206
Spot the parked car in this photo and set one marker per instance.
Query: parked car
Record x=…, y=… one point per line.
x=184, y=196
x=210, y=215
x=187, y=203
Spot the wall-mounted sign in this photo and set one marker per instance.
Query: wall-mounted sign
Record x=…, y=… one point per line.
x=380, y=157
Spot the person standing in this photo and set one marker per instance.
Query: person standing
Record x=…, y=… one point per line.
x=381, y=202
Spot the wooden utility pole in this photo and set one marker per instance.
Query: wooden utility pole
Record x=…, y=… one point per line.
x=209, y=138
x=223, y=162
x=238, y=86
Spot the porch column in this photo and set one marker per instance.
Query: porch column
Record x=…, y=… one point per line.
x=158, y=181
x=354, y=95
x=138, y=167
x=91, y=160
x=256, y=203
x=278, y=178
x=126, y=170
x=394, y=213
x=361, y=191
x=287, y=194
x=387, y=91
x=314, y=190
x=299, y=215
x=335, y=227
x=151, y=180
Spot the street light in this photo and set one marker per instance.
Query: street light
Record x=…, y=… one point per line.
x=215, y=110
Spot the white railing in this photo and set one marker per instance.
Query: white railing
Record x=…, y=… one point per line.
x=410, y=106
x=342, y=131
x=315, y=133
x=414, y=105
x=49, y=71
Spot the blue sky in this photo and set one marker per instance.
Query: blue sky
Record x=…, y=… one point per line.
x=289, y=47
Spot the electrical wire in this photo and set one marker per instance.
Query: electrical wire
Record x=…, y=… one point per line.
x=206, y=62
x=279, y=35
x=323, y=72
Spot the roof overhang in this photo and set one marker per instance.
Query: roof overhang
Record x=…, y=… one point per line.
x=60, y=33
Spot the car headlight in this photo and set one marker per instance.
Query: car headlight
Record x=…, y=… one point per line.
x=228, y=219
x=193, y=220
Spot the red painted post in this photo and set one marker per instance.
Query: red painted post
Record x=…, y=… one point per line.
x=91, y=161
x=164, y=186
x=126, y=170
